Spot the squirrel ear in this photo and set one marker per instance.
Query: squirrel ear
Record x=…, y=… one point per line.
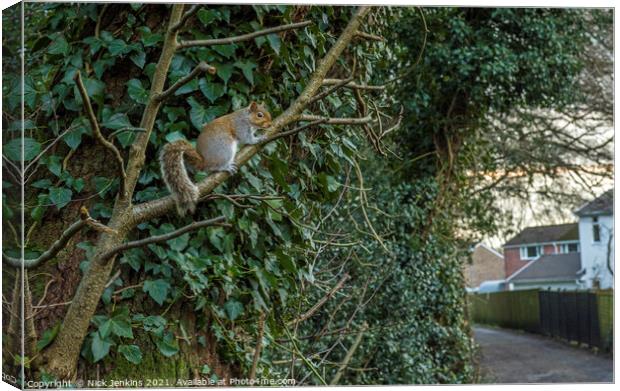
x=253, y=106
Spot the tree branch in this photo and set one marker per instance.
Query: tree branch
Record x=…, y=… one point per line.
x=372, y=37
x=85, y=220
x=349, y=355
x=244, y=37
x=323, y=300
x=353, y=85
x=175, y=28
x=336, y=121
x=151, y=209
x=331, y=89
x=201, y=67
x=259, y=345
x=97, y=132
x=293, y=131
x=162, y=238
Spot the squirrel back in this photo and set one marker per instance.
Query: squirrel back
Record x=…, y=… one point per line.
x=174, y=173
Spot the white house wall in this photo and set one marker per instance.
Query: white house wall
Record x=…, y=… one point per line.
x=594, y=254
x=544, y=285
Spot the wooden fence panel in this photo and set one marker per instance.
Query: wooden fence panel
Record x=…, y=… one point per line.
x=579, y=316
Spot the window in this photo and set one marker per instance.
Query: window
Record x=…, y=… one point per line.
x=530, y=252
x=569, y=248
x=596, y=230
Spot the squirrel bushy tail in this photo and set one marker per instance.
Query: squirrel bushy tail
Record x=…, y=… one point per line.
x=174, y=173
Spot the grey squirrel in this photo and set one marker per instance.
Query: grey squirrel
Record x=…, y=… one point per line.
x=215, y=151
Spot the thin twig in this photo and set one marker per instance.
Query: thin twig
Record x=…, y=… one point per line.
x=127, y=129
x=349, y=355
x=97, y=132
x=323, y=300
x=60, y=136
x=372, y=37
x=293, y=131
x=162, y=238
x=243, y=37
x=200, y=68
x=259, y=345
x=335, y=120
x=85, y=220
x=331, y=89
x=353, y=85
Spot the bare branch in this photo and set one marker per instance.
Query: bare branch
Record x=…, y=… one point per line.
x=244, y=37
x=349, y=355
x=353, y=85
x=259, y=345
x=372, y=37
x=97, y=132
x=293, y=131
x=60, y=136
x=58, y=245
x=201, y=67
x=331, y=89
x=175, y=27
x=323, y=300
x=336, y=121
x=126, y=129
x=162, y=238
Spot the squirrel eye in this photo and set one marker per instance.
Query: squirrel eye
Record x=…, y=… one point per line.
x=259, y=114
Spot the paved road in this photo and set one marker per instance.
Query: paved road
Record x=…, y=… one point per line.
x=516, y=357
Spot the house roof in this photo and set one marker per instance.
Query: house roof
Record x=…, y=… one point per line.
x=490, y=250
x=550, y=267
x=545, y=233
x=602, y=205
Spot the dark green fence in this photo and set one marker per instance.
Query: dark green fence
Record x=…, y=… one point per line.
x=581, y=316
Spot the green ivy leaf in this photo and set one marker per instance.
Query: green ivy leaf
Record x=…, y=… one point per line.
x=13, y=149
x=225, y=50
x=139, y=58
x=60, y=196
x=42, y=184
x=59, y=45
x=137, y=92
x=247, y=68
x=131, y=352
x=206, y=16
x=211, y=90
x=157, y=289
x=54, y=165
x=117, y=46
x=233, y=309
x=168, y=345
x=117, y=121
x=224, y=71
x=99, y=347
x=275, y=42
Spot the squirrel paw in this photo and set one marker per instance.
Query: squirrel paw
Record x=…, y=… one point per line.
x=232, y=169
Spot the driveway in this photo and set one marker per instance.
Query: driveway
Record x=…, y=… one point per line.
x=515, y=357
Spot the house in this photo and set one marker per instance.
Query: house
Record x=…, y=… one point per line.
x=567, y=256
x=549, y=271
x=596, y=224
x=486, y=264
x=533, y=242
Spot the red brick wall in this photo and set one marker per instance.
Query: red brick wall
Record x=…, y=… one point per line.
x=512, y=261
x=549, y=249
